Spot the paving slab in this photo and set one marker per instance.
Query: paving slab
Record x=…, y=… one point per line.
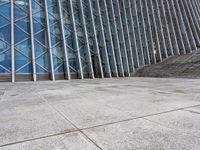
x=183, y=121
x=85, y=113
x=22, y=120
x=71, y=141
x=38, y=112
x=141, y=134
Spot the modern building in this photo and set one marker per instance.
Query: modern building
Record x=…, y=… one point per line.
x=77, y=39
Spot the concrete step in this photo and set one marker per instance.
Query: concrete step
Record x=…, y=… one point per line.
x=184, y=66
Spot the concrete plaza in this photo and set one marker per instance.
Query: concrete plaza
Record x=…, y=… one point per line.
x=108, y=114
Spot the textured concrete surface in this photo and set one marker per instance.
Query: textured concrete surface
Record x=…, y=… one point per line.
x=184, y=66
x=108, y=114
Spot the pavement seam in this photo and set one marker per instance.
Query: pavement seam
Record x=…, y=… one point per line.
x=81, y=130
x=169, y=127
x=65, y=118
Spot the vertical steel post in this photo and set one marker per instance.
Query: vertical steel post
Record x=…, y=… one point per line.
x=76, y=39
x=132, y=32
x=95, y=37
x=104, y=41
x=12, y=41
x=155, y=32
x=49, y=40
x=138, y=40
x=143, y=31
x=149, y=33
x=86, y=38
x=166, y=29
x=66, y=63
x=160, y=30
x=171, y=28
x=128, y=46
x=110, y=36
x=115, y=37
x=192, y=21
x=32, y=41
x=187, y=25
x=177, y=27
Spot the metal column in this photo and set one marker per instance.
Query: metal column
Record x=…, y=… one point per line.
x=49, y=40
x=12, y=41
x=67, y=70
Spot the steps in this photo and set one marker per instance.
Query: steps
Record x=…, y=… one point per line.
x=181, y=66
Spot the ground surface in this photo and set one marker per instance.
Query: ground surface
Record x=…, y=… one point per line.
x=108, y=114
x=184, y=66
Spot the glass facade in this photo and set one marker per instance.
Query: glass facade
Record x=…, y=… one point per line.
x=77, y=39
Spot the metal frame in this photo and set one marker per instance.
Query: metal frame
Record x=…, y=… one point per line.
x=49, y=41
x=64, y=42
x=12, y=41
x=32, y=41
x=95, y=37
x=125, y=30
x=171, y=28
x=107, y=38
x=138, y=33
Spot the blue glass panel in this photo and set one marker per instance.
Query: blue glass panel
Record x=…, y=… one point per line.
x=5, y=61
x=25, y=48
x=20, y=60
x=19, y=35
x=24, y=24
x=19, y=13
x=39, y=49
x=5, y=10
x=43, y=61
x=5, y=33
x=42, y=37
x=40, y=69
x=3, y=21
x=26, y=69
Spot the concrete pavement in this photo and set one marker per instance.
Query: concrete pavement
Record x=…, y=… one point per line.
x=108, y=114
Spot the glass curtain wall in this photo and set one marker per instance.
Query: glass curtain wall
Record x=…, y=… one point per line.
x=77, y=39
x=5, y=39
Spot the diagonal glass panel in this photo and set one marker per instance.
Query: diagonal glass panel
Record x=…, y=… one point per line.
x=55, y=30
x=5, y=10
x=20, y=35
x=24, y=24
x=5, y=39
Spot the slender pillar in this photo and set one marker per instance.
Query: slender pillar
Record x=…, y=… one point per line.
x=32, y=41
x=115, y=37
x=66, y=63
x=12, y=41
x=187, y=26
x=103, y=40
x=195, y=7
x=132, y=33
x=108, y=37
x=138, y=33
x=149, y=32
x=160, y=29
x=49, y=41
x=177, y=27
x=171, y=28
x=76, y=40
x=86, y=38
x=121, y=37
x=93, y=27
x=165, y=29
x=192, y=21
x=127, y=36
x=156, y=39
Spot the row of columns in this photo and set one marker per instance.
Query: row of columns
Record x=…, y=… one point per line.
x=127, y=34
